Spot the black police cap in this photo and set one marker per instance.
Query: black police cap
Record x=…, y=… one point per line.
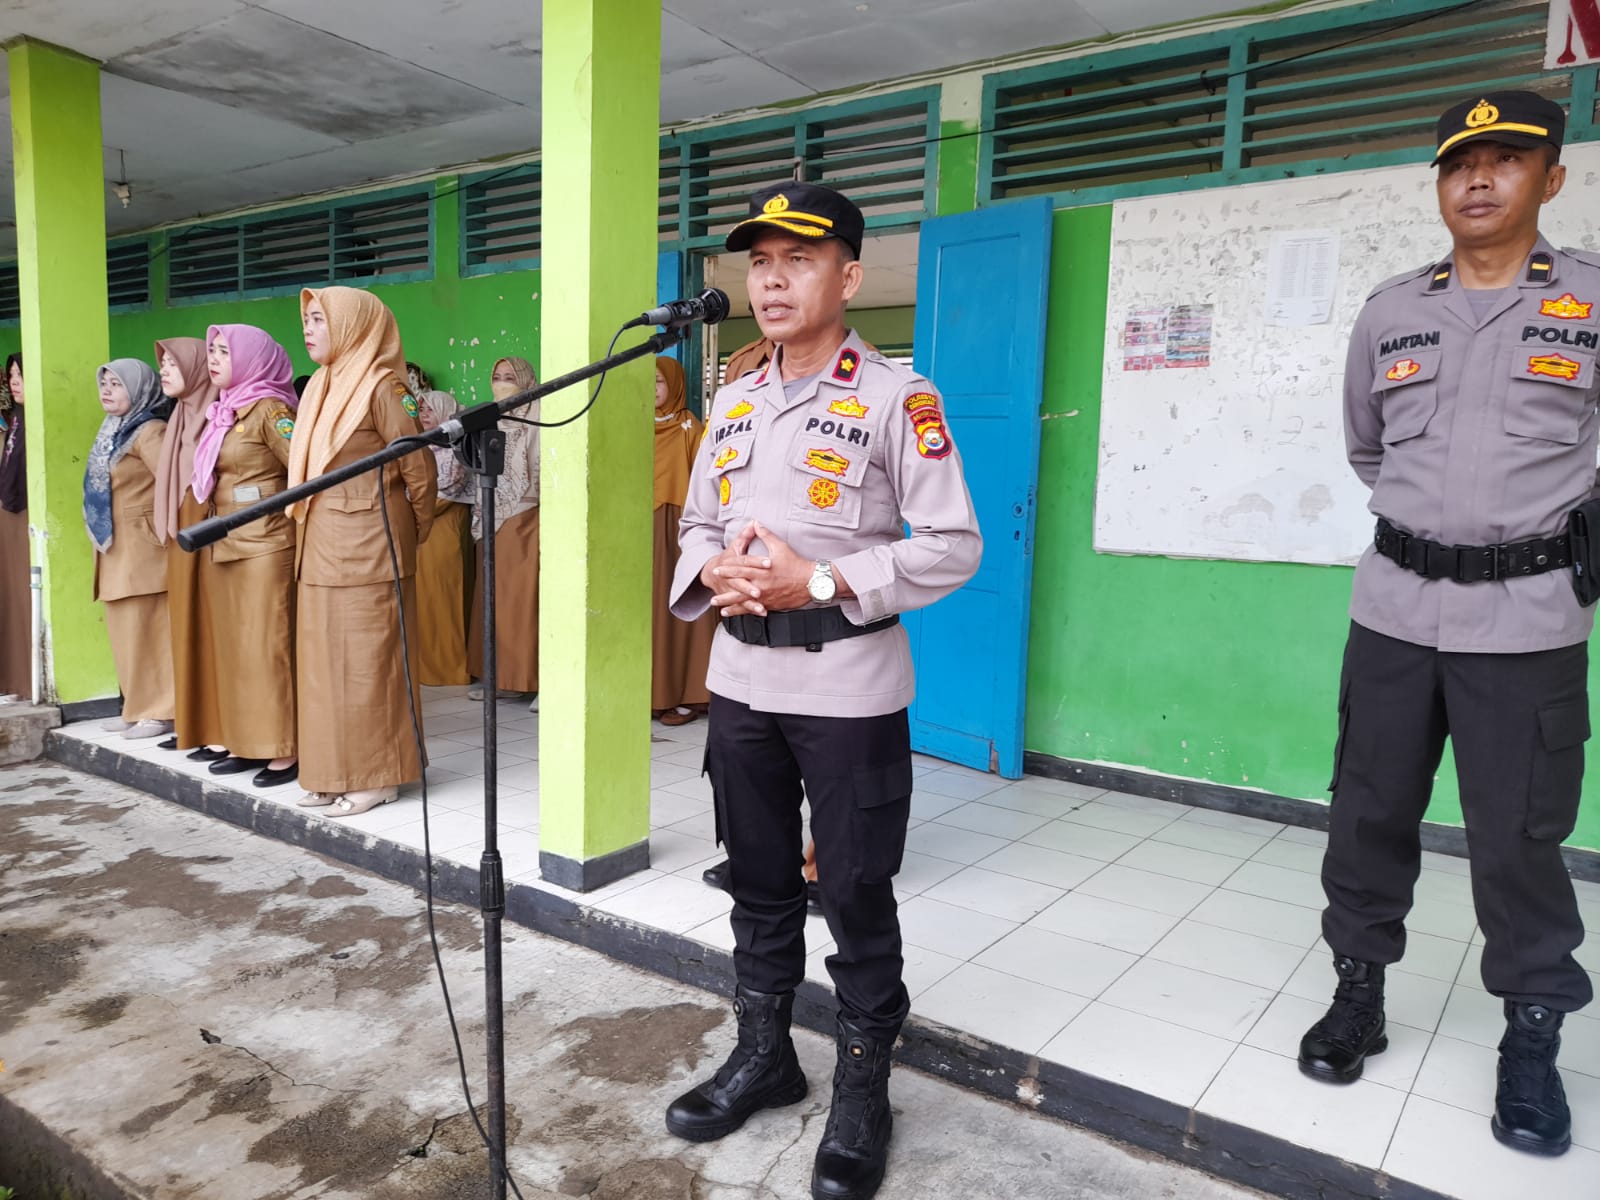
x=1515, y=118
x=807, y=209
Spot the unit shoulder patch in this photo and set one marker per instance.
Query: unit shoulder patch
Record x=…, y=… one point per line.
x=926, y=415
x=283, y=422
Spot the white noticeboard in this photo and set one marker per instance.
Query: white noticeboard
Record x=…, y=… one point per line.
x=1221, y=422
x=1574, y=34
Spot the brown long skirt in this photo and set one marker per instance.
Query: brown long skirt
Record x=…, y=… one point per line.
x=252, y=617
x=442, y=595
x=355, y=725
x=680, y=650
x=16, y=606
x=516, y=597
x=141, y=647
x=194, y=667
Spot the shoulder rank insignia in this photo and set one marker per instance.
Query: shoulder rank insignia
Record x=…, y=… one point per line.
x=850, y=406
x=724, y=458
x=284, y=426
x=1539, y=267
x=844, y=371
x=409, y=403
x=1554, y=366
x=1441, y=277
x=742, y=409
x=1402, y=370
x=1567, y=308
x=823, y=458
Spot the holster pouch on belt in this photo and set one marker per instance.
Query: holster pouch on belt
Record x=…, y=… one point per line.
x=1583, y=526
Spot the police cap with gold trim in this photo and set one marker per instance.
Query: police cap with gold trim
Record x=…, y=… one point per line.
x=807, y=209
x=1515, y=118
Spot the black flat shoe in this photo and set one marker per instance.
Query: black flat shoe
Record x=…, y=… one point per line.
x=267, y=777
x=206, y=754
x=170, y=743
x=813, y=896
x=237, y=766
x=716, y=876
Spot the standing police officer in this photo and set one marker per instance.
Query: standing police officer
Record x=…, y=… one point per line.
x=794, y=528
x=1469, y=396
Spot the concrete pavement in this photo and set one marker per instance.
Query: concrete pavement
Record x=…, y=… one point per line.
x=187, y=1010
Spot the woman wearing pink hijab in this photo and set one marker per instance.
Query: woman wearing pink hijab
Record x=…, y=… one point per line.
x=243, y=456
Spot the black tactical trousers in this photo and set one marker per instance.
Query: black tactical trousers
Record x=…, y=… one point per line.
x=1517, y=724
x=856, y=773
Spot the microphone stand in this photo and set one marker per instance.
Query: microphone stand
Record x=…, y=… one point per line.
x=475, y=433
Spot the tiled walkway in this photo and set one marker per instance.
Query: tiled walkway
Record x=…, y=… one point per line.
x=1171, y=949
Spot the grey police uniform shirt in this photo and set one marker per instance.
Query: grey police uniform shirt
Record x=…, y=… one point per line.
x=838, y=472
x=1473, y=430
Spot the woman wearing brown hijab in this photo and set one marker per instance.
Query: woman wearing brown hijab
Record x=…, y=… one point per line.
x=356, y=741
x=442, y=559
x=16, y=594
x=681, y=651
x=516, y=544
x=187, y=383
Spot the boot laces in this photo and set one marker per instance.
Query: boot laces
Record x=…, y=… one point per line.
x=1528, y=1060
x=852, y=1096
x=1355, y=1008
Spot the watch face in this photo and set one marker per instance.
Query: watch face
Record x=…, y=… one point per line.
x=821, y=587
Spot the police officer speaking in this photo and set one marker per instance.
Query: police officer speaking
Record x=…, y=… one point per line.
x=1469, y=402
x=795, y=529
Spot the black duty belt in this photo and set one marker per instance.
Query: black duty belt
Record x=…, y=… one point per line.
x=1472, y=564
x=808, y=627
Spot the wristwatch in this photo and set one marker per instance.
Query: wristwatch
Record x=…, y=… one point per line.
x=822, y=586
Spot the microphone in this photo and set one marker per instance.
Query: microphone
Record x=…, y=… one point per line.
x=709, y=306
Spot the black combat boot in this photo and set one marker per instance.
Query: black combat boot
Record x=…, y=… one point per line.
x=1335, y=1048
x=855, y=1145
x=762, y=1072
x=1530, y=1105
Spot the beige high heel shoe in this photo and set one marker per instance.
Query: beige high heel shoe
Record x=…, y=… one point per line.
x=353, y=804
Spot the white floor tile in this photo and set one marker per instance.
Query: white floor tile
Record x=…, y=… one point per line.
x=663, y=773
x=961, y=786
x=1165, y=1060
x=1442, y=919
x=924, y=968
x=1409, y=999
x=1062, y=787
x=1064, y=963
x=447, y=829
x=670, y=851
x=1267, y=1092
x=1450, y=864
x=1105, y=923
x=997, y=822
x=1180, y=862
x=1142, y=889
x=1118, y=820
x=1237, y=821
x=1041, y=802
x=948, y=929
x=717, y=933
x=1462, y=1074
x=930, y=806
x=1271, y=919
x=1229, y=953
x=1199, y=836
x=1304, y=836
x=1133, y=802
x=1296, y=856
x=919, y=872
x=1452, y=1152
x=951, y=844
x=1041, y=865
x=1009, y=1011
x=996, y=895
x=697, y=789
x=1278, y=883
x=668, y=808
x=1445, y=888
x=1105, y=845
x=668, y=902
x=1221, y=1007
x=1435, y=957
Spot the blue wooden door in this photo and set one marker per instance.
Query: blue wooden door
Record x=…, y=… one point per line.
x=981, y=294
x=669, y=287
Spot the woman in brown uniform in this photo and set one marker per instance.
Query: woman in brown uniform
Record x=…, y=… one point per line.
x=247, y=596
x=16, y=595
x=442, y=560
x=681, y=651
x=516, y=545
x=187, y=383
x=356, y=740
x=130, y=568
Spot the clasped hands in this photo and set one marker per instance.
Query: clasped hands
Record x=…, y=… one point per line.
x=742, y=583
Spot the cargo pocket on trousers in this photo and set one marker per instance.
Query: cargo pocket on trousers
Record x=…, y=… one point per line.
x=1344, y=733
x=882, y=812
x=1557, y=778
x=716, y=795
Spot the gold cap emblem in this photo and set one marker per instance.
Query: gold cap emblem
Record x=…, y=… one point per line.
x=778, y=204
x=1484, y=114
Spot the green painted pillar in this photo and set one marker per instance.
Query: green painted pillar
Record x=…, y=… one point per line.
x=600, y=149
x=61, y=265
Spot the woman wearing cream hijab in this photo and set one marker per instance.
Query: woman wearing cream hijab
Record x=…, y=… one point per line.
x=516, y=544
x=356, y=742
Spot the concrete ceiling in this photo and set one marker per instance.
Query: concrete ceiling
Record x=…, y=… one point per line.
x=222, y=104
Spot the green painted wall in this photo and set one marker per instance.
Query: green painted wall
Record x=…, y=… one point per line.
x=958, y=167
x=1221, y=671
